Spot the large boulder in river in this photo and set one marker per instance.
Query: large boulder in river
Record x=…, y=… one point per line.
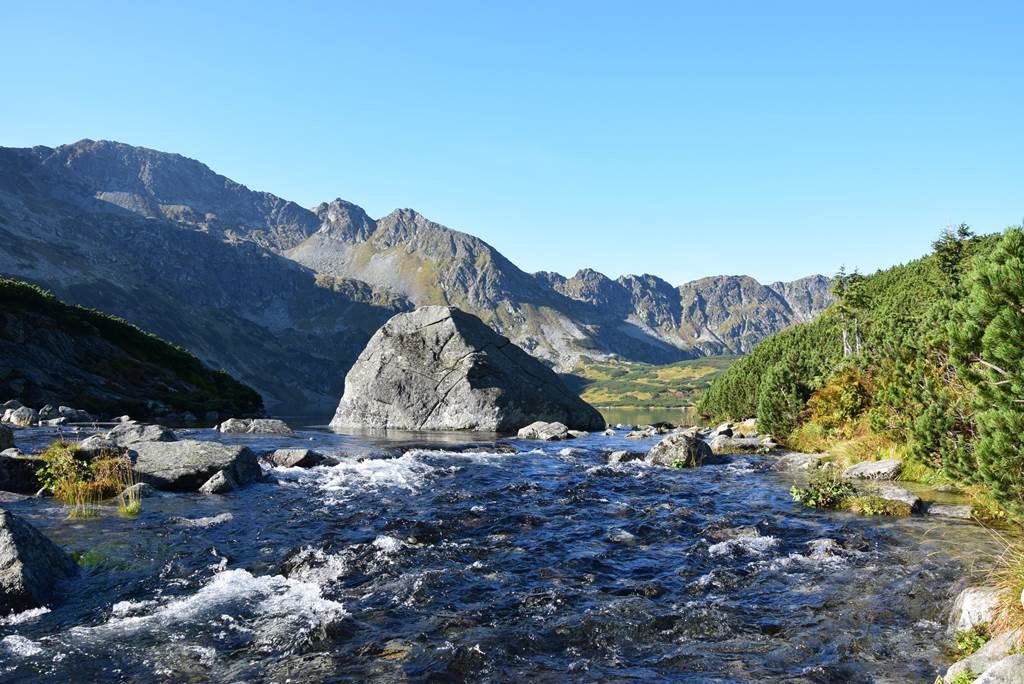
x=439, y=368
x=6, y=438
x=30, y=565
x=679, y=450
x=190, y=465
x=18, y=473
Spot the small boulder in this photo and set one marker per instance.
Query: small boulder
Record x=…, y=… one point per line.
x=546, y=431
x=578, y=433
x=625, y=456
x=187, y=465
x=30, y=565
x=127, y=434
x=962, y=512
x=899, y=495
x=679, y=450
x=18, y=473
x=888, y=469
x=22, y=417
x=609, y=433
x=974, y=607
x=256, y=426
x=299, y=458
x=74, y=415
x=797, y=462
x=735, y=445
x=723, y=430
x=6, y=438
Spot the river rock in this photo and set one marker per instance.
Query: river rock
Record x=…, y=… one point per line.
x=985, y=657
x=888, y=469
x=6, y=438
x=899, y=495
x=256, y=426
x=962, y=512
x=22, y=417
x=1009, y=670
x=127, y=434
x=548, y=432
x=679, y=450
x=723, y=430
x=439, y=368
x=974, y=607
x=30, y=565
x=625, y=456
x=299, y=458
x=10, y=404
x=18, y=474
x=723, y=444
x=187, y=465
x=794, y=461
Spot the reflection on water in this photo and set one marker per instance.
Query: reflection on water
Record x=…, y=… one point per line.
x=647, y=415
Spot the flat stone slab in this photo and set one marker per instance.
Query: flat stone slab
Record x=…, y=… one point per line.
x=962, y=512
x=888, y=469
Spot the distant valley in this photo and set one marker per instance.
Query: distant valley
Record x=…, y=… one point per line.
x=284, y=297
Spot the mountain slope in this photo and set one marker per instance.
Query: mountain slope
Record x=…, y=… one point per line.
x=285, y=297
x=236, y=305
x=52, y=353
x=557, y=318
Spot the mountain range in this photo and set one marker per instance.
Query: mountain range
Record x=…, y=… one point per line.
x=284, y=297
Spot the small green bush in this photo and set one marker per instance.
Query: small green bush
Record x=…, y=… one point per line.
x=968, y=641
x=964, y=677
x=76, y=480
x=825, y=489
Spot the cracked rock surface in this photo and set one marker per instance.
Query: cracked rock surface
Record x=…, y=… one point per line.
x=439, y=368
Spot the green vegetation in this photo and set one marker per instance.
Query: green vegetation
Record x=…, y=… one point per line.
x=145, y=359
x=83, y=482
x=825, y=489
x=964, y=677
x=626, y=384
x=968, y=641
x=922, y=361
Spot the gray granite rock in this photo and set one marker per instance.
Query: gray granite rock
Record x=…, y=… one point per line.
x=187, y=465
x=6, y=438
x=679, y=450
x=439, y=368
x=256, y=426
x=549, y=432
x=299, y=458
x=888, y=469
x=1009, y=670
x=30, y=565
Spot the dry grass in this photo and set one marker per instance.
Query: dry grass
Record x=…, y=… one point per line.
x=82, y=483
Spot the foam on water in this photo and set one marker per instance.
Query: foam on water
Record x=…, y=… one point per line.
x=17, y=645
x=353, y=476
x=261, y=604
x=24, y=616
x=754, y=545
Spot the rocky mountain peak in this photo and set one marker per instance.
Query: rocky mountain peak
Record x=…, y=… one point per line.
x=344, y=221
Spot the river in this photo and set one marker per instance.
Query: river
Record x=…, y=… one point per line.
x=431, y=564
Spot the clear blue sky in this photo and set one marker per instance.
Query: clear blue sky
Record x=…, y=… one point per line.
x=681, y=139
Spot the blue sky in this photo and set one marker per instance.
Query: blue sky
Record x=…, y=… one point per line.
x=681, y=139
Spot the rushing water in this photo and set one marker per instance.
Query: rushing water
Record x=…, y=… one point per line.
x=430, y=564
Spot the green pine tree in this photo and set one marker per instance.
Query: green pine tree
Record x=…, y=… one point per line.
x=987, y=345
